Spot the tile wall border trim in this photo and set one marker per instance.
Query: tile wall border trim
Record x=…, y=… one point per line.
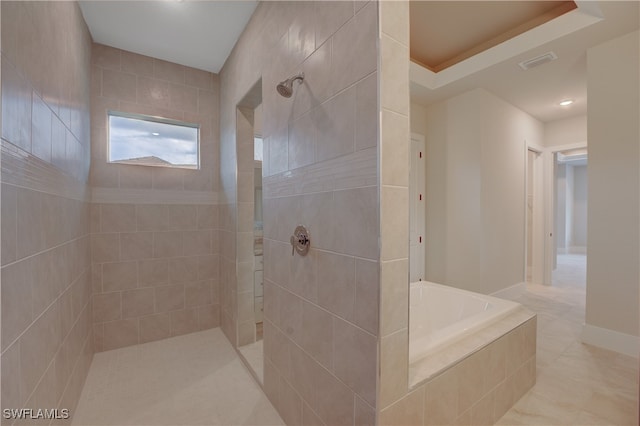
x=22, y=169
x=355, y=170
x=152, y=196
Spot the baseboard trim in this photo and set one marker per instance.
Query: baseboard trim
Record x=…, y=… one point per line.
x=511, y=292
x=609, y=339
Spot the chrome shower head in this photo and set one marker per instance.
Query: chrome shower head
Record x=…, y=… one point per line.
x=285, y=88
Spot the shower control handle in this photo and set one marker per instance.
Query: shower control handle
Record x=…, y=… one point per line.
x=300, y=241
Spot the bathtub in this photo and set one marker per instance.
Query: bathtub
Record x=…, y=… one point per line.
x=440, y=315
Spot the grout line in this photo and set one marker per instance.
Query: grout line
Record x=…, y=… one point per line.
x=57, y=299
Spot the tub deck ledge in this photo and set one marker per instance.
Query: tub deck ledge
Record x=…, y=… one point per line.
x=431, y=365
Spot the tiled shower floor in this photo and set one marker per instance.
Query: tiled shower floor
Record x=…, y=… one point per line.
x=254, y=354
x=195, y=379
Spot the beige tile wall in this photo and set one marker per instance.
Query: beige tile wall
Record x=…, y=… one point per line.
x=228, y=224
x=45, y=277
x=394, y=203
x=320, y=168
x=155, y=262
x=154, y=272
x=245, y=320
x=131, y=83
x=478, y=390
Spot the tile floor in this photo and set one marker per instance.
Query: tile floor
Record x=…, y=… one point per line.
x=199, y=379
x=254, y=355
x=577, y=384
x=195, y=379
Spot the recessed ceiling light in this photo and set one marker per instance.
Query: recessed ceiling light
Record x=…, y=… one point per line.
x=566, y=102
x=155, y=134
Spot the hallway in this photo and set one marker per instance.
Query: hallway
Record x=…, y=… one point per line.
x=577, y=384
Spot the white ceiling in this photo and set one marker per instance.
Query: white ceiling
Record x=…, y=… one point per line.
x=539, y=90
x=201, y=34
x=198, y=34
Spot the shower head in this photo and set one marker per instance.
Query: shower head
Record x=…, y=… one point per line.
x=285, y=88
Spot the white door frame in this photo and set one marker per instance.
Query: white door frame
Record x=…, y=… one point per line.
x=538, y=246
x=549, y=155
x=417, y=218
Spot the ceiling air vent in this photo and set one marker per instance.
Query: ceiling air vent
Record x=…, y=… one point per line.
x=538, y=60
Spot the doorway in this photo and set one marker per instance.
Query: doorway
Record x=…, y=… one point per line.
x=570, y=217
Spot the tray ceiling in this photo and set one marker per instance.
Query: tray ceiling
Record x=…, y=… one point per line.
x=444, y=33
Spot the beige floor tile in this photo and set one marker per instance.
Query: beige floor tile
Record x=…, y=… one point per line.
x=577, y=384
x=611, y=405
x=195, y=379
x=533, y=409
x=253, y=354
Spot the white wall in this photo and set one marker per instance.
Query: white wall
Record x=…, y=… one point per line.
x=579, y=219
x=613, y=252
x=569, y=180
x=418, y=124
x=436, y=191
x=475, y=200
x=561, y=208
x=571, y=208
x=567, y=131
x=418, y=119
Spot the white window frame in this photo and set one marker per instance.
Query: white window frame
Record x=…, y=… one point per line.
x=153, y=119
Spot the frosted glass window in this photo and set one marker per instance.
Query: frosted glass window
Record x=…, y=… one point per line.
x=152, y=141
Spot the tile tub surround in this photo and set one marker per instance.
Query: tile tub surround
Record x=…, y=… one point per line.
x=154, y=272
x=479, y=389
x=46, y=286
x=435, y=363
